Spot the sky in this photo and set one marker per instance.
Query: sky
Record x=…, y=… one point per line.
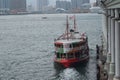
x=52, y=2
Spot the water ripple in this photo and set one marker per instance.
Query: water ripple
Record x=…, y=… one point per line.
x=27, y=50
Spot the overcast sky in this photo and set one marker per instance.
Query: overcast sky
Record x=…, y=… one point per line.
x=52, y=2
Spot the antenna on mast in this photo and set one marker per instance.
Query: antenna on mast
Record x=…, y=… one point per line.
x=67, y=26
x=74, y=23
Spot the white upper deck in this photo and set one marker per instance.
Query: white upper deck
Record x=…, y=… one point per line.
x=69, y=41
x=77, y=37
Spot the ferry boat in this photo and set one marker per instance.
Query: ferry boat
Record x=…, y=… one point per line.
x=71, y=47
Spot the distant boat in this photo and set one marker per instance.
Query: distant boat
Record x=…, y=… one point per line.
x=44, y=17
x=96, y=10
x=71, y=47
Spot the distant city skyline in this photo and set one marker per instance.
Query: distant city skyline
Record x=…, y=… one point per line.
x=52, y=2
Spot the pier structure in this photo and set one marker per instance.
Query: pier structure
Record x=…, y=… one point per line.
x=111, y=33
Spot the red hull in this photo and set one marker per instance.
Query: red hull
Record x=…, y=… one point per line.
x=68, y=62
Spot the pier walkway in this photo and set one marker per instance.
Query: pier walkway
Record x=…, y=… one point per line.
x=111, y=39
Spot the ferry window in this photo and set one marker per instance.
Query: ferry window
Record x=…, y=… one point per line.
x=77, y=54
x=70, y=46
x=58, y=55
x=63, y=55
x=61, y=46
x=78, y=45
x=83, y=43
x=58, y=45
x=70, y=55
x=75, y=44
x=82, y=47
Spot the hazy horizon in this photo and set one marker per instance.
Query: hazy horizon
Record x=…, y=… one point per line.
x=51, y=2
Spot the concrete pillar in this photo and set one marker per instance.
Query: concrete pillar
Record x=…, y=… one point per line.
x=104, y=37
x=107, y=30
x=109, y=33
x=112, y=63
x=108, y=41
x=116, y=13
x=117, y=51
x=117, y=48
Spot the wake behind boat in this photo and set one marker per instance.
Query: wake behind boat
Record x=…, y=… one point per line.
x=71, y=47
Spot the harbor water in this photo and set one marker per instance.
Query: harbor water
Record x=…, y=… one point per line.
x=27, y=49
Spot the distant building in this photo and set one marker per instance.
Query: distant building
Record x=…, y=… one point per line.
x=17, y=6
x=4, y=6
x=86, y=1
x=58, y=4
x=49, y=9
x=30, y=8
x=63, y=4
x=68, y=5
x=41, y=4
x=97, y=2
x=77, y=4
x=86, y=6
x=12, y=6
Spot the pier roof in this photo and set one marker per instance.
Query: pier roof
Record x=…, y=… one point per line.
x=109, y=4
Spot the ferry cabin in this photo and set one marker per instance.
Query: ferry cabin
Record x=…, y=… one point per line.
x=69, y=49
